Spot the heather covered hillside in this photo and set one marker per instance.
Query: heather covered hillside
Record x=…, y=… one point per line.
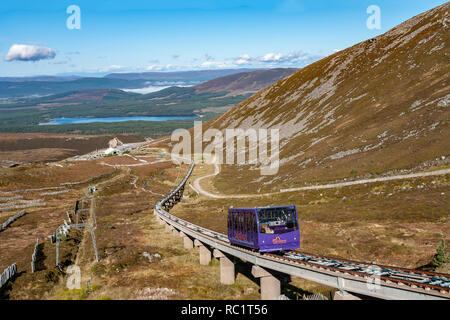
x=378, y=107
x=245, y=82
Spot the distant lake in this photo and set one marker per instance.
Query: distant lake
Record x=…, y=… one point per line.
x=58, y=121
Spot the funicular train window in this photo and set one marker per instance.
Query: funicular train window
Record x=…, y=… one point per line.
x=281, y=219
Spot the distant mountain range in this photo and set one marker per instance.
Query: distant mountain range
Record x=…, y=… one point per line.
x=200, y=75
x=23, y=87
x=39, y=78
x=235, y=84
x=206, y=100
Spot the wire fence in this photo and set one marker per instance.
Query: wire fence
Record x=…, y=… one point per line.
x=54, y=193
x=63, y=230
x=34, y=256
x=80, y=206
x=11, y=220
x=21, y=204
x=7, y=274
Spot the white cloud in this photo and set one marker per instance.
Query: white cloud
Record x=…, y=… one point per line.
x=208, y=57
x=215, y=64
x=271, y=57
x=113, y=67
x=277, y=59
x=146, y=90
x=158, y=86
x=159, y=67
x=244, y=59
x=23, y=52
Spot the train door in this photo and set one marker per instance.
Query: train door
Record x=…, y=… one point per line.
x=255, y=228
x=239, y=224
x=249, y=227
x=244, y=233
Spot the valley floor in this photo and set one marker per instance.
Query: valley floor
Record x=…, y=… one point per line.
x=396, y=222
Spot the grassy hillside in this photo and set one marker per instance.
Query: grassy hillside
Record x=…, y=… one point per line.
x=245, y=82
x=377, y=107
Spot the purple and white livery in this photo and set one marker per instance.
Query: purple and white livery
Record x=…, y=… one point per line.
x=266, y=229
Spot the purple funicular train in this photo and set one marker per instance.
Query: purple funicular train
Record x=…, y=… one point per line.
x=266, y=229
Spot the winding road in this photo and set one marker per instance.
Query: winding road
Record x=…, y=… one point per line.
x=198, y=188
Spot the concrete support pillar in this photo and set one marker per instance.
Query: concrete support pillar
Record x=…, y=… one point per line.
x=343, y=295
x=175, y=232
x=205, y=256
x=188, y=243
x=168, y=226
x=270, y=285
x=161, y=221
x=227, y=268
x=205, y=253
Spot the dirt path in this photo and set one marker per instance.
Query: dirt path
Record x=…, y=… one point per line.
x=198, y=188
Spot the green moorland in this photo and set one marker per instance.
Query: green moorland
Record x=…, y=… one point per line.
x=25, y=116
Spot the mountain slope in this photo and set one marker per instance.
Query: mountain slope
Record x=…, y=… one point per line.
x=378, y=106
x=245, y=81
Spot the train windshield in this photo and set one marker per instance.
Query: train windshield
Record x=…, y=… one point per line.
x=277, y=220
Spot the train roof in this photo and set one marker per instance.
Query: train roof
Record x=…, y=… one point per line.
x=260, y=208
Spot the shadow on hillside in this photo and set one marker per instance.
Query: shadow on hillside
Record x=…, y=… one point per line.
x=287, y=289
x=40, y=258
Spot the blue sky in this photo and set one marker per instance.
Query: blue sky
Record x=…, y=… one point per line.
x=171, y=35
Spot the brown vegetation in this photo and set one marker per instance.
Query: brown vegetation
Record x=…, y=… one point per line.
x=42, y=147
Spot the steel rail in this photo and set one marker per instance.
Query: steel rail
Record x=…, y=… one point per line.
x=412, y=271
x=385, y=282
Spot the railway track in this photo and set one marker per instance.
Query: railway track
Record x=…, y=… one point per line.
x=401, y=276
x=424, y=283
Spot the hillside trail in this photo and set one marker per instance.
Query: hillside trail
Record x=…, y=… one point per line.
x=199, y=189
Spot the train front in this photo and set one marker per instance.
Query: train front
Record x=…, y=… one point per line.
x=278, y=229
